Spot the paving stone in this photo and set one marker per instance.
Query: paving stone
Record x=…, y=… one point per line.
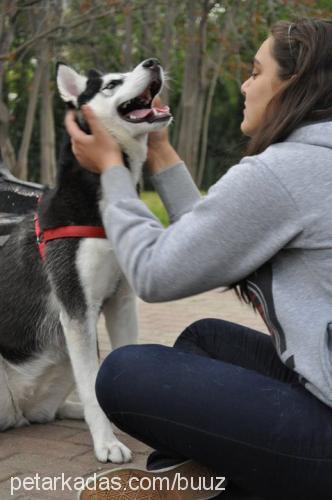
x=7, y=470
x=81, y=437
x=5, y=452
x=70, y=424
x=42, y=431
x=42, y=447
x=65, y=446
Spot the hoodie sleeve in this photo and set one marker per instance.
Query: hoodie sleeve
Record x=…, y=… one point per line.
x=245, y=219
x=177, y=190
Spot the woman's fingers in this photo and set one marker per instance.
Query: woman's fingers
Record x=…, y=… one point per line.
x=73, y=129
x=96, y=127
x=157, y=102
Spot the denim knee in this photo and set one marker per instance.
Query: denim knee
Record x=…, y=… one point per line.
x=107, y=386
x=122, y=368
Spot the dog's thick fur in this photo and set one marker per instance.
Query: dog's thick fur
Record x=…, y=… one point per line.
x=49, y=310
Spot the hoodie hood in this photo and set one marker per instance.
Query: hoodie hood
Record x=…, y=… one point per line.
x=316, y=134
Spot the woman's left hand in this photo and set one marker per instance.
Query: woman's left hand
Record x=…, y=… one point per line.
x=96, y=152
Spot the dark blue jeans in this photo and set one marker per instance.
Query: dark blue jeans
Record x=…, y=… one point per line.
x=222, y=397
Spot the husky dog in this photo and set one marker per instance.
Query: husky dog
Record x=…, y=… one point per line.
x=49, y=307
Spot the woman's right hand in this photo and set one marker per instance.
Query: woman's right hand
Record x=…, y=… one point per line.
x=161, y=154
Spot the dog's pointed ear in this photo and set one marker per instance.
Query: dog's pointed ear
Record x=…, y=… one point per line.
x=70, y=84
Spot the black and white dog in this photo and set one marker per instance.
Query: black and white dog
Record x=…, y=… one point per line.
x=49, y=306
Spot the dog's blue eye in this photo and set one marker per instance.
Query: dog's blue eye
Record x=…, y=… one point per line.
x=112, y=84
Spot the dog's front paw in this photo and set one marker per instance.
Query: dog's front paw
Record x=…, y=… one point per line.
x=113, y=451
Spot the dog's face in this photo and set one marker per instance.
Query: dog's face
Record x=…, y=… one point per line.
x=122, y=101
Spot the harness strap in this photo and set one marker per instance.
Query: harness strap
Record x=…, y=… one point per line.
x=43, y=237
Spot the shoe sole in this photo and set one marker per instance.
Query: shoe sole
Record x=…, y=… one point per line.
x=122, y=476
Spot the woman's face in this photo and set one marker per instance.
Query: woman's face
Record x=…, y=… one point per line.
x=260, y=87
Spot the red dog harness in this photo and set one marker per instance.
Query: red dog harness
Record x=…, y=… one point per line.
x=65, y=232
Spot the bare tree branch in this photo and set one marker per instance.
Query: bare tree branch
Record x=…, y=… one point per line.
x=83, y=19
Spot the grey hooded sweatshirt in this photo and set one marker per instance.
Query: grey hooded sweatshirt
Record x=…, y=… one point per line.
x=267, y=220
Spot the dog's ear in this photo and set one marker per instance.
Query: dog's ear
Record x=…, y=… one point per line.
x=70, y=84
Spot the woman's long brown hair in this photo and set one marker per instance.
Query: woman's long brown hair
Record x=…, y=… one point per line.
x=303, y=51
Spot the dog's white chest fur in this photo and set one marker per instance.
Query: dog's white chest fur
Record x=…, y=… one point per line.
x=98, y=270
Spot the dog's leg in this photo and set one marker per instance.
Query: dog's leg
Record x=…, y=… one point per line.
x=81, y=341
x=10, y=413
x=53, y=386
x=120, y=313
x=72, y=410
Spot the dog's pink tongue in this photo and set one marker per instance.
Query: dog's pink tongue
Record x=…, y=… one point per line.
x=140, y=113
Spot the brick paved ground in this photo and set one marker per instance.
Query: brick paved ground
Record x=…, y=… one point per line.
x=65, y=446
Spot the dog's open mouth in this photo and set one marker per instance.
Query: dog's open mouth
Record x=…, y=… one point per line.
x=140, y=108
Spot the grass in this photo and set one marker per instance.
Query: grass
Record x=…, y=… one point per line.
x=156, y=206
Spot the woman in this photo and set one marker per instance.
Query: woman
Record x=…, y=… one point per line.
x=253, y=408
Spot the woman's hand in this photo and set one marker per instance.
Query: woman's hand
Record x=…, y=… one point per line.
x=96, y=152
x=161, y=154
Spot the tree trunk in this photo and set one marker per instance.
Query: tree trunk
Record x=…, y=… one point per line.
x=21, y=167
x=9, y=11
x=170, y=17
x=188, y=96
x=148, y=20
x=128, y=45
x=195, y=86
x=47, y=133
x=207, y=112
x=7, y=150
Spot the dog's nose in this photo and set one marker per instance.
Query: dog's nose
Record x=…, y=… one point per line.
x=151, y=63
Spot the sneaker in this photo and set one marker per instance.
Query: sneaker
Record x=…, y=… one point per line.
x=185, y=481
x=158, y=460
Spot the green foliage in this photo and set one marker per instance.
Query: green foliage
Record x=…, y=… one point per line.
x=100, y=44
x=226, y=144
x=156, y=206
